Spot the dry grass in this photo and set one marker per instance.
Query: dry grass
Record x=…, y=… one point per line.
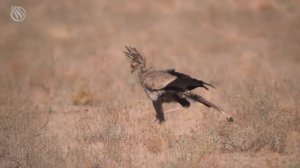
x=67, y=98
x=23, y=139
x=264, y=124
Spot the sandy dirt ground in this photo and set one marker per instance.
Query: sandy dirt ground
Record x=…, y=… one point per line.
x=68, y=99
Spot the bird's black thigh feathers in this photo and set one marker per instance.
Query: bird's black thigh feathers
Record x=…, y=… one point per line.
x=159, y=110
x=174, y=97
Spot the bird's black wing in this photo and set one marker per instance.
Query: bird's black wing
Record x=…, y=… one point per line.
x=184, y=82
x=159, y=110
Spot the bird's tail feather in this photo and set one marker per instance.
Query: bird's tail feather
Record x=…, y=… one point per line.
x=208, y=84
x=200, y=99
x=204, y=84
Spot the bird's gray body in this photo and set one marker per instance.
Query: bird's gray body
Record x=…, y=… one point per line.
x=153, y=82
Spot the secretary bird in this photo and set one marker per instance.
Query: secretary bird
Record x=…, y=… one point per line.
x=164, y=86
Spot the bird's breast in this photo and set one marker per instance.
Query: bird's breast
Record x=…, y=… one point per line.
x=153, y=95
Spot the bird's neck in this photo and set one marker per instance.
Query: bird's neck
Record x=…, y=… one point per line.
x=141, y=72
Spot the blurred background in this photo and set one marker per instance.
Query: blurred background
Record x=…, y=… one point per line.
x=68, y=99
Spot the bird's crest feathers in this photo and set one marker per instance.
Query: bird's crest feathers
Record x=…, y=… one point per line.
x=134, y=56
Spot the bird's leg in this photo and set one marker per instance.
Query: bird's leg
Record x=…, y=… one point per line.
x=207, y=103
x=173, y=110
x=228, y=117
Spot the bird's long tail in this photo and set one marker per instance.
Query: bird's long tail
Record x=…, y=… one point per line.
x=200, y=99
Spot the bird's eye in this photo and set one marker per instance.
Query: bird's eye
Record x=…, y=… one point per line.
x=132, y=65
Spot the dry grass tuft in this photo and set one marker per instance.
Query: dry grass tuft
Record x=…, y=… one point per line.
x=154, y=143
x=83, y=96
x=261, y=123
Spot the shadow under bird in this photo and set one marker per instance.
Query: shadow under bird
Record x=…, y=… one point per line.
x=164, y=86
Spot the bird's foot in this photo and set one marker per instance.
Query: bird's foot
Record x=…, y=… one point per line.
x=160, y=121
x=230, y=119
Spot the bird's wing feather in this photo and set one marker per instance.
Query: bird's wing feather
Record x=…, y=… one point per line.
x=185, y=82
x=157, y=80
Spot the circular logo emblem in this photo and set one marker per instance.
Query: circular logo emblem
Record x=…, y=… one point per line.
x=17, y=13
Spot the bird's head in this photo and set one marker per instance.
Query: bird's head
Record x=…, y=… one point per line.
x=137, y=62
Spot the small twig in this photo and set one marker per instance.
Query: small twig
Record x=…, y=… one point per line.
x=232, y=145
